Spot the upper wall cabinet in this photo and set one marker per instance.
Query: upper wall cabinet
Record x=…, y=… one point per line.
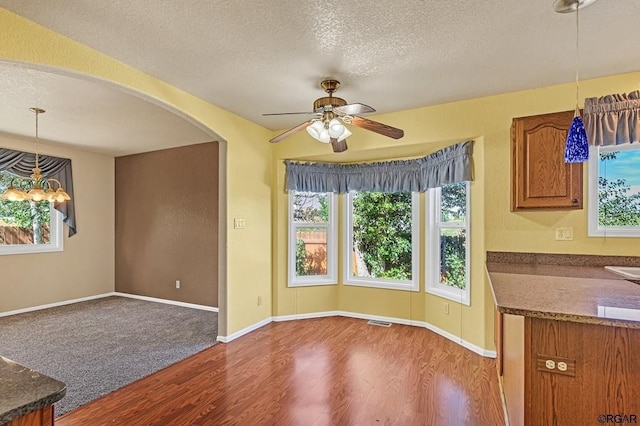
x=540, y=179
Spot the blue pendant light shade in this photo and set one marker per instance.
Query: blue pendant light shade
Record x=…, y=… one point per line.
x=577, y=147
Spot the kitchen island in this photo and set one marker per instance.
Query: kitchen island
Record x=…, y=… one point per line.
x=567, y=340
x=26, y=396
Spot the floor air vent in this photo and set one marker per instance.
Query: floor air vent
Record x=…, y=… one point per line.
x=379, y=323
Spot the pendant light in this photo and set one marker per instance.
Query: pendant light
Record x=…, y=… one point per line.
x=38, y=188
x=577, y=145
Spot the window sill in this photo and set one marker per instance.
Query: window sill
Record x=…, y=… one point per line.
x=615, y=232
x=458, y=296
x=29, y=249
x=311, y=283
x=389, y=285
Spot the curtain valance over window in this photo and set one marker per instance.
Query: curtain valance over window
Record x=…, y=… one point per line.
x=22, y=164
x=449, y=165
x=612, y=119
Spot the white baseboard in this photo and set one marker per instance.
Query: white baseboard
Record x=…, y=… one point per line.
x=100, y=296
x=226, y=339
x=246, y=330
x=306, y=316
x=377, y=318
x=472, y=347
x=53, y=305
x=167, y=301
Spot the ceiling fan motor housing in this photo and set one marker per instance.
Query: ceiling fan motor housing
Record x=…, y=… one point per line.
x=321, y=104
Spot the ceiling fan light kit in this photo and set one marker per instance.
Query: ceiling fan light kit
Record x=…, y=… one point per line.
x=329, y=111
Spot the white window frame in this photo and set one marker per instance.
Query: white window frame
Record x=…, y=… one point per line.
x=408, y=285
x=594, y=228
x=433, y=254
x=331, y=278
x=55, y=238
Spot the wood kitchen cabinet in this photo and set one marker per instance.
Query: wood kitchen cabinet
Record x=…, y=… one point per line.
x=568, y=373
x=540, y=179
x=26, y=396
x=41, y=417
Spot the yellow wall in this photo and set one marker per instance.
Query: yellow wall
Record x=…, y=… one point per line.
x=86, y=266
x=248, y=174
x=494, y=227
x=255, y=181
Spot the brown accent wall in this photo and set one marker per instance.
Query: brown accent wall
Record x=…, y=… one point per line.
x=166, y=224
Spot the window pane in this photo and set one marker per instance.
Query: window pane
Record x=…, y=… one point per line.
x=22, y=222
x=311, y=251
x=619, y=188
x=453, y=257
x=382, y=235
x=453, y=202
x=310, y=207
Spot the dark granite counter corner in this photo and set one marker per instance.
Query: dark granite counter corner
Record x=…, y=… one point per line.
x=23, y=390
x=563, y=287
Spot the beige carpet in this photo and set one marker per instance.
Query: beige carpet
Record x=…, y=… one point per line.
x=98, y=346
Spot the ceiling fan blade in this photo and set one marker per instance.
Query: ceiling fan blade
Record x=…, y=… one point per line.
x=354, y=109
x=291, y=131
x=338, y=146
x=290, y=113
x=374, y=126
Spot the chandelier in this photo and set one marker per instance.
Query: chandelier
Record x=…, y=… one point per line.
x=38, y=188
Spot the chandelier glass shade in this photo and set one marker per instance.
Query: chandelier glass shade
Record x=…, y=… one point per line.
x=36, y=188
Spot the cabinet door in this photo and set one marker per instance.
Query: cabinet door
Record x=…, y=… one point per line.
x=540, y=179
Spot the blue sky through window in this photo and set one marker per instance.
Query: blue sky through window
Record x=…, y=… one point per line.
x=625, y=166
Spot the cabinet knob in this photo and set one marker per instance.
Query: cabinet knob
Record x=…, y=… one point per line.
x=574, y=201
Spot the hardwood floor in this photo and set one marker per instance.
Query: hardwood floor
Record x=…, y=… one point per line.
x=325, y=371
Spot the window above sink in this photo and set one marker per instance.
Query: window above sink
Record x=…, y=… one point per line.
x=614, y=191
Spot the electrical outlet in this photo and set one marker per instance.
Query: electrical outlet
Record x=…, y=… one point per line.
x=259, y=300
x=556, y=365
x=564, y=234
x=177, y=283
x=446, y=308
x=238, y=223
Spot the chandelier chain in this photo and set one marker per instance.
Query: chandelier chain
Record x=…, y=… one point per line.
x=37, y=160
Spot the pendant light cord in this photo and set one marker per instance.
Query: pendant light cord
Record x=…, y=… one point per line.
x=577, y=113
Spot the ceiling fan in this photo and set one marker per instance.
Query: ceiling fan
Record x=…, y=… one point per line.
x=325, y=126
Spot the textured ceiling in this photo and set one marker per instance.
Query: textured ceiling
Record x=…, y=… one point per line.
x=88, y=115
x=262, y=56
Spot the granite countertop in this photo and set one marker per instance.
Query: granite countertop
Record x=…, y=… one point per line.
x=564, y=287
x=23, y=390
